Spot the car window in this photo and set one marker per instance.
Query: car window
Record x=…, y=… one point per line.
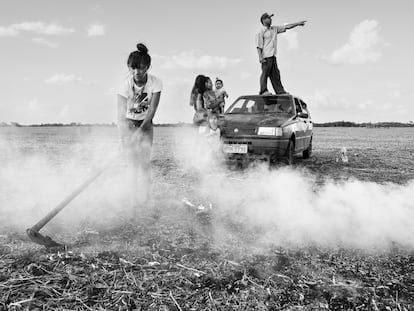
x=251, y=106
x=304, y=106
x=280, y=104
x=298, y=106
x=237, y=107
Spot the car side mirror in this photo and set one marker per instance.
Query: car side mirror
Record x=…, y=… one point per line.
x=303, y=115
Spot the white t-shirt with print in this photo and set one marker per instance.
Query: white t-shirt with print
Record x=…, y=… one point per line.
x=139, y=98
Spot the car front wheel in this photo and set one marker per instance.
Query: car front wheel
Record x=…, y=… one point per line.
x=308, y=152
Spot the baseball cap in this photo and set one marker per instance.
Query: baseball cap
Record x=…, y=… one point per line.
x=265, y=15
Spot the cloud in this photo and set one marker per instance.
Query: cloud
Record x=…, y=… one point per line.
x=43, y=28
x=45, y=42
x=365, y=105
x=64, y=111
x=111, y=91
x=245, y=75
x=36, y=27
x=324, y=99
x=394, y=94
x=33, y=105
x=392, y=102
x=8, y=32
x=192, y=60
x=292, y=39
x=61, y=79
x=96, y=30
x=96, y=7
x=362, y=47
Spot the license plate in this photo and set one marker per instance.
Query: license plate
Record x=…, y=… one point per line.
x=234, y=148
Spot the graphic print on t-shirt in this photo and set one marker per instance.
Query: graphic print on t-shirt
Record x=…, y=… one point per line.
x=138, y=105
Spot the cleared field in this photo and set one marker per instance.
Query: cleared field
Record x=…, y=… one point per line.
x=322, y=235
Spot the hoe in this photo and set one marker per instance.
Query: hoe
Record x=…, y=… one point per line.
x=34, y=233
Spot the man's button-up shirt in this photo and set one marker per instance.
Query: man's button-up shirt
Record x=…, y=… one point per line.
x=266, y=39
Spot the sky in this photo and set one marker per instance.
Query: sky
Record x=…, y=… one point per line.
x=63, y=61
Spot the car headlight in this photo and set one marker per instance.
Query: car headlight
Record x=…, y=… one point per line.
x=270, y=131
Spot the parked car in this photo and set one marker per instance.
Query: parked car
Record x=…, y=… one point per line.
x=269, y=126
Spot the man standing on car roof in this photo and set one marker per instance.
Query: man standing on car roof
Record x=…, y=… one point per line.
x=266, y=43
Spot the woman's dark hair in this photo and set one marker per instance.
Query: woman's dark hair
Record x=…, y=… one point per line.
x=139, y=58
x=198, y=88
x=199, y=84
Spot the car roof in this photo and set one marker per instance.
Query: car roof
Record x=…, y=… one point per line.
x=267, y=96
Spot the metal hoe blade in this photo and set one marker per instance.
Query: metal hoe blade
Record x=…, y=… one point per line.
x=38, y=238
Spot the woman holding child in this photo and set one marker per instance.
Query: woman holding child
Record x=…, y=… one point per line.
x=204, y=100
x=207, y=107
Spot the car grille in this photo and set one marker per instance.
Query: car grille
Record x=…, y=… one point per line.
x=241, y=131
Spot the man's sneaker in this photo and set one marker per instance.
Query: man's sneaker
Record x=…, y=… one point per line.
x=266, y=93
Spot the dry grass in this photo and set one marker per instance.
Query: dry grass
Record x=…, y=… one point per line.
x=174, y=261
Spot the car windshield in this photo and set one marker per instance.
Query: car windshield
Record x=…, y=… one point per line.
x=280, y=104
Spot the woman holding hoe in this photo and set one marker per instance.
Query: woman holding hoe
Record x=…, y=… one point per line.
x=138, y=100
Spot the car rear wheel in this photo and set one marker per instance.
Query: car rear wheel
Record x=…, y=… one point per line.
x=290, y=153
x=308, y=152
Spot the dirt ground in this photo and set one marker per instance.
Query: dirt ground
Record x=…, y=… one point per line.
x=184, y=258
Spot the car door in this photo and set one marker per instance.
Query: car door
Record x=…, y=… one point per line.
x=301, y=126
x=308, y=125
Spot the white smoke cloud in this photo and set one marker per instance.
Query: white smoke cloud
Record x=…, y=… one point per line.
x=292, y=209
x=288, y=206
x=34, y=182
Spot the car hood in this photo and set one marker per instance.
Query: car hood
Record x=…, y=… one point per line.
x=255, y=120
